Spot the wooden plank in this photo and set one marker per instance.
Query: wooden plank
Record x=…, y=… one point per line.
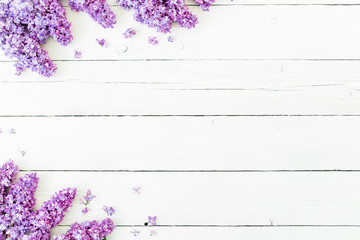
x=213, y=198
x=312, y=233
x=264, y=75
x=74, y=98
x=183, y=143
x=247, y=32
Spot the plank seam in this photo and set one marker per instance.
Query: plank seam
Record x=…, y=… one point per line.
x=192, y=171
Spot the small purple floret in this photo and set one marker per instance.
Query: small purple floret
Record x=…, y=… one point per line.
x=102, y=42
x=153, y=41
x=109, y=210
x=77, y=54
x=129, y=33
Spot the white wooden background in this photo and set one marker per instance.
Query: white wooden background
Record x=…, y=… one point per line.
x=245, y=128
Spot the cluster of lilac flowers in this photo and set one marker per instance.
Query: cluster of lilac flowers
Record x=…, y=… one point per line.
x=161, y=14
x=99, y=10
x=88, y=230
x=18, y=220
x=26, y=24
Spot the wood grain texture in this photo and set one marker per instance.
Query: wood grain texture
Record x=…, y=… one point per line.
x=183, y=143
x=186, y=88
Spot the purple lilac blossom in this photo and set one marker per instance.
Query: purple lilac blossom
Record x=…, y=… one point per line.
x=152, y=220
x=135, y=232
x=129, y=33
x=22, y=152
x=87, y=198
x=23, y=28
x=88, y=230
x=26, y=24
x=205, y=4
x=7, y=174
x=77, y=54
x=153, y=41
x=99, y=10
x=15, y=216
x=137, y=190
x=102, y=42
x=85, y=210
x=18, y=220
x=170, y=39
x=109, y=210
x=161, y=14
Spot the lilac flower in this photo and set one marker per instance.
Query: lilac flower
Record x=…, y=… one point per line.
x=22, y=152
x=23, y=28
x=129, y=33
x=109, y=210
x=26, y=24
x=18, y=220
x=102, y=42
x=137, y=190
x=161, y=14
x=78, y=54
x=85, y=210
x=12, y=131
x=170, y=39
x=99, y=10
x=152, y=233
x=88, y=230
x=152, y=220
x=87, y=198
x=135, y=232
x=7, y=174
x=153, y=41
x=205, y=4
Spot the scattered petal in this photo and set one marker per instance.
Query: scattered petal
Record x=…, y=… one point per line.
x=12, y=131
x=87, y=198
x=78, y=54
x=170, y=39
x=22, y=152
x=129, y=33
x=153, y=41
x=135, y=232
x=137, y=190
x=109, y=210
x=85, y=210
x=152, y=220
x=102, y=42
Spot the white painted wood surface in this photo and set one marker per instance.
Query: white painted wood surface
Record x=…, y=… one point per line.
x=244, y=128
